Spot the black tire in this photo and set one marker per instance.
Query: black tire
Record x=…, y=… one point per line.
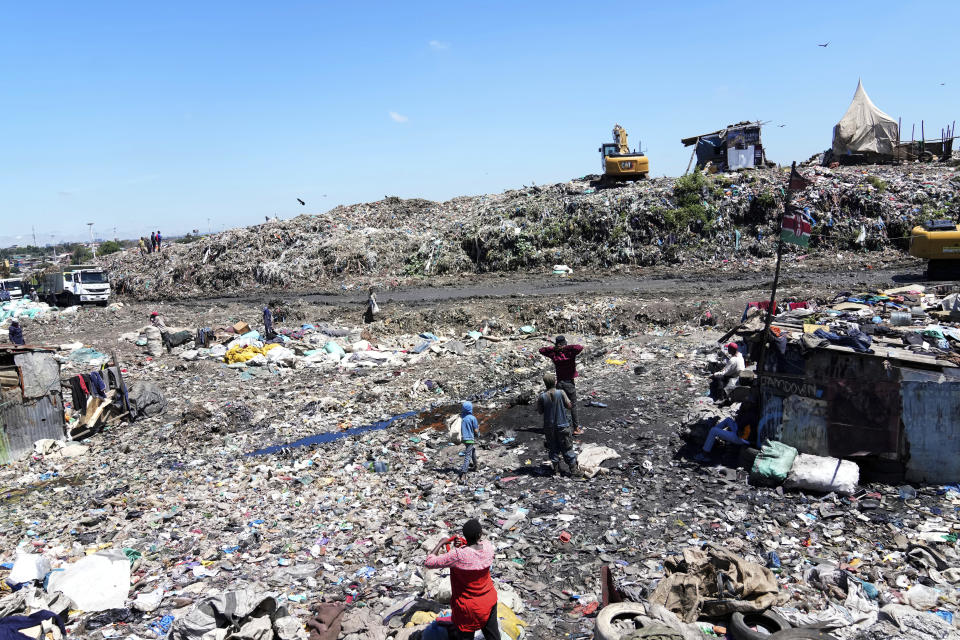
x=740, y=624
x=801, y=634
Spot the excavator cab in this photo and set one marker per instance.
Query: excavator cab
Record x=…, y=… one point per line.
x=618, y=162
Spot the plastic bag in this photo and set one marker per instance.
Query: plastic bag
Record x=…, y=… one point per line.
x=95, y=583
x=817, y=473
x=772, y=464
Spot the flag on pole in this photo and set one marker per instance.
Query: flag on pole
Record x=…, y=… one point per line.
x=797, y=181
x=796, y=230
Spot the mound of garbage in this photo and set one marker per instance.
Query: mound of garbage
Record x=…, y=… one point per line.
x=694, y=219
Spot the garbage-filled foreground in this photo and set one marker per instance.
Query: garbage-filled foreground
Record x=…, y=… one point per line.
x=263, y=496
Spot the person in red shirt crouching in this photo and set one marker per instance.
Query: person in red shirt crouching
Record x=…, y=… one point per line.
x=474, y=601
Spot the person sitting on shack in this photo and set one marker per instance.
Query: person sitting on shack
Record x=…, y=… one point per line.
x=723, y=381
x=16, y=332
x=473, y=604
x=739, y=431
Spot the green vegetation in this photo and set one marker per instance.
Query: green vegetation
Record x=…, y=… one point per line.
x=691, y=210
x=877, y=183
x=108, y=247
x=187, y=239
x=80, y=255
x=767, y=201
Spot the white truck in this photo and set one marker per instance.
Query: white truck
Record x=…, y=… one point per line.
x=13, y=286
x=76, y=285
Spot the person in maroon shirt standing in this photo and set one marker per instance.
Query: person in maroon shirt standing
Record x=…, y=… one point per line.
x=564, y=357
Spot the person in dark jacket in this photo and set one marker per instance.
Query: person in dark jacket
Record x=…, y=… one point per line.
x=16, y=333
x=268, y=331
x=553, y=404
x=564, y=357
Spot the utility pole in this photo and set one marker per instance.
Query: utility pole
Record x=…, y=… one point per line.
x=92, y=247
x=34, y=229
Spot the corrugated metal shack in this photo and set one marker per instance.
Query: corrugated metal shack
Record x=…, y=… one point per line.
x=892, y=410
x=736, y=147
x=31, y=404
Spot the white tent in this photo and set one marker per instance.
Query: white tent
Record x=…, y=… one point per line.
x=864, y=128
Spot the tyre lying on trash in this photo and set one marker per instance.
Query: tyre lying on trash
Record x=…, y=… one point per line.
x=742, y=626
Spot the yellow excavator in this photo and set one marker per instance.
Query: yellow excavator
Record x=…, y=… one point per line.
x=619, y=163
x=939, y=242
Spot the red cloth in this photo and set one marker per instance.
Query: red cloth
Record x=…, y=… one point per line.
x=473, y=593
x=564, y=359
x=83, y=385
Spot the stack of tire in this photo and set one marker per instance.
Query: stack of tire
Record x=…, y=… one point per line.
x=742, y=626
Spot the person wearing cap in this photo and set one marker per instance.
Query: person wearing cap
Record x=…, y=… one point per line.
x=16, y=333
x=564, y=357
x=158, y=322
x=723, y=381
x=474, y=601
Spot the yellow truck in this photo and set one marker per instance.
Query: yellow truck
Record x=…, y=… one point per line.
x=939, y=242
x=619, y=163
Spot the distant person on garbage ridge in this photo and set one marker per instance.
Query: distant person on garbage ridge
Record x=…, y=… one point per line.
x=33, y=295
x=469, y=426
x=564, y=357
x=553, y=404
x=722, y=382
x=159, y=240
x=473, y=603
x=16, y=333
x=740, y=431
x=143, y=246
x=153, y=242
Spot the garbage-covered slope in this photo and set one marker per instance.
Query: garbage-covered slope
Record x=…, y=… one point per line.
x=695, y=219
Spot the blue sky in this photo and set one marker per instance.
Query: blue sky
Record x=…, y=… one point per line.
x=166, y=115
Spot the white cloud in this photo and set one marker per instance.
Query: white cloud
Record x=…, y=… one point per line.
x=437, y=45
x=396, y=117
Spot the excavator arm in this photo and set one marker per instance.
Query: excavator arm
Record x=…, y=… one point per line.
x=620, y=138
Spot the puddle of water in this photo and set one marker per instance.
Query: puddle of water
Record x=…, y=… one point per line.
x=333, y=436
x=14, y=495
x=434, y=418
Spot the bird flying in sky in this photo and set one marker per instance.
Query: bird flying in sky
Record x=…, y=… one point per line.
x=302, y=203
x=823, y=45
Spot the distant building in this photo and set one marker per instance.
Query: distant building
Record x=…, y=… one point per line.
x=738, y=146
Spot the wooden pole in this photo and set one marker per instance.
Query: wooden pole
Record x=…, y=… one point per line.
x=692, y=156
x=776, y=278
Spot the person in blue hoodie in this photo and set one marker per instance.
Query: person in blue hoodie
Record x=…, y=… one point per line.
x=468, y=434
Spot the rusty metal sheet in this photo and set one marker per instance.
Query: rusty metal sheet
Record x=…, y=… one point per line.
x=23, y=422
x=863, y=417
x=804, y=425
x=931, y=422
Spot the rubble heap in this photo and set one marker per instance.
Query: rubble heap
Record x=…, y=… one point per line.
x=695, y=219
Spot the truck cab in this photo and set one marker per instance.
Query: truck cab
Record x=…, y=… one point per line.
x=78, y=285
x=13, y=288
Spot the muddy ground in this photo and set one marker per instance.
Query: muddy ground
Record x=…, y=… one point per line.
x=184, y=489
